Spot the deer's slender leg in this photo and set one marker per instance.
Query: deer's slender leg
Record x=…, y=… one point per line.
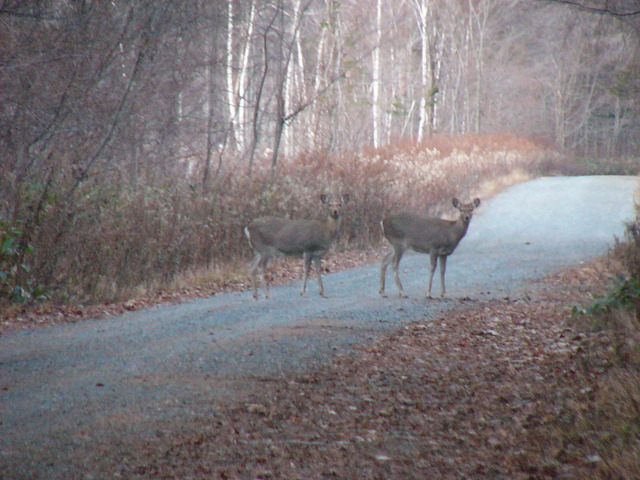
x=434, y=263
x=262, y=266
x=443, y=269
x=397, y=256
x=306, y=265
x=252, y=275
x=383, y=270
x=318, y=262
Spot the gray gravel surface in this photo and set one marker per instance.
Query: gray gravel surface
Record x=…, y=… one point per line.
x=67, y=388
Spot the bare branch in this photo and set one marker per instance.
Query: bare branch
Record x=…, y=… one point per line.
x=606, y=9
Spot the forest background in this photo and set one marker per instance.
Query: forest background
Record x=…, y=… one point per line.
x=138, y=138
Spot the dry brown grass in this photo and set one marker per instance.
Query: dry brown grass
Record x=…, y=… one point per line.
x=105, y=242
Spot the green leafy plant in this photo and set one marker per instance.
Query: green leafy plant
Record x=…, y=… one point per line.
x=16, y=282
x=624, y=294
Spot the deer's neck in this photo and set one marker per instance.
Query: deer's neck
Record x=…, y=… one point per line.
x=460, y=228
x=332, y=224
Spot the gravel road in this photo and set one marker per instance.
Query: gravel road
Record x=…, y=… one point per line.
x=66, y=389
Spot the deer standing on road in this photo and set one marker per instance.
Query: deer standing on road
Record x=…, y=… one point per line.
x=435, y=236
x=308, y=239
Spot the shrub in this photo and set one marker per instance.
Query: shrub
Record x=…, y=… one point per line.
x=16, y=281
x=101, y=240
x=607, y=420
x=610, y=166
x=625, y=291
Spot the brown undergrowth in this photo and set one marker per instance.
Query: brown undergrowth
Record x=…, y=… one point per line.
x=607, y=422
x=109, y=242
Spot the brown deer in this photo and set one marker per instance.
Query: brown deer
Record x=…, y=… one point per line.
x=435, y=236
x=308, y=239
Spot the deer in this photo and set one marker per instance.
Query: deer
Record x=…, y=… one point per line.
x=434, y=236
x=306, y=239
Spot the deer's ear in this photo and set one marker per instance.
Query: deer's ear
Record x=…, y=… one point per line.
x=345, y=198
x=324, y=198
x=476, y=202
x=455, y=202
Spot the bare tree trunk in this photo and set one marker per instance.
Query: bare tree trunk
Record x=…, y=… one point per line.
x=422, y=15
x=480, y=15
x=375, y=84
x=314, y=123
x=294, y=79
x=211, y=113
x=232, y=96
x=617, y=127
x=241, y=88
x=279, y=127
x=237, y=87
x=335, y=59
x=284, y=54
x=255, y=124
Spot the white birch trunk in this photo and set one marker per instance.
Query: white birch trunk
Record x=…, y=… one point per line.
x=209, y=111
x=312, y=131
x=480, y=14
x=242, y=105
x=376, y=77
x=292, y=80
x=231, y=92
x=422, y=11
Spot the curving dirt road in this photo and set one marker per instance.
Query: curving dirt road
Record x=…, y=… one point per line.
x=66, y=389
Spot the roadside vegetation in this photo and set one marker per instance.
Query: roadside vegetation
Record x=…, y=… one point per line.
x=102, y=243
x=105, y=248
x=603, y=423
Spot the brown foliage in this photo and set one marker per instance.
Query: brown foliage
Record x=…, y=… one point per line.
x=98, y=242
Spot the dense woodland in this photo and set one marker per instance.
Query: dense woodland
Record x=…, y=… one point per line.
x=138, y=136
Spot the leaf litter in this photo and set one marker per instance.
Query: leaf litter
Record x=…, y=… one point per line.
x=478, y=393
